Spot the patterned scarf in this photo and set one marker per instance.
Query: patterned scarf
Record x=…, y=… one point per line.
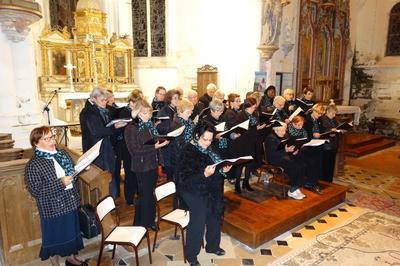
x=214, y=157
x=149, y=125
x=280, y=115
x=105, y=114
x=189, y=127
x=223, y=143
x=253, y=119
x=315, y=126
x=61, y=158
x=294, y=132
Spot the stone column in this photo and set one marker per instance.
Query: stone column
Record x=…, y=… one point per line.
x=19, y=108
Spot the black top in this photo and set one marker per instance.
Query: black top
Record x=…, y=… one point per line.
x=198, y=108
x=205, y=99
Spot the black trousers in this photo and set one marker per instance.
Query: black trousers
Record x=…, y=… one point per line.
x=295, y=168
x=201, y=216
x=328, y=164
x=145, y=210
x=312, y=157
x=130, y=183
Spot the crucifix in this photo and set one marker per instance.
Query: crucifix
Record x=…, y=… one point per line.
x=69, y=68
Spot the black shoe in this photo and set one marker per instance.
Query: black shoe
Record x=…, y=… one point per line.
x=218, y=252
x=68, y=263
x=195, y=263
x=154, y=228
x=313, y=188
x=246, y=185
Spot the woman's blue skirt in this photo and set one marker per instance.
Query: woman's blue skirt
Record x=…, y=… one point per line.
x=61, y=236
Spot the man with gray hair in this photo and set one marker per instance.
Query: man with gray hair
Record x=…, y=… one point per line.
x=207, y=97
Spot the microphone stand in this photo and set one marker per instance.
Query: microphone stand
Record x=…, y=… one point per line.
x=46, y=108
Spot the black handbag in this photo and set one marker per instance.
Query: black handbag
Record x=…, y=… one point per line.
x=87, y=220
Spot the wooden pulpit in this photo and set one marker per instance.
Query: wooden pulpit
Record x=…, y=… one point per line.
x=205, y=75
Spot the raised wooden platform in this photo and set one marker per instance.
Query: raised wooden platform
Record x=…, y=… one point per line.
x=255, y=223
x=358, y=145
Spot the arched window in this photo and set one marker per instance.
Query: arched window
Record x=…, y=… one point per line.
x=393, y=38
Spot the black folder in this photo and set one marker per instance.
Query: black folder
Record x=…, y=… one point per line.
x=291, y=141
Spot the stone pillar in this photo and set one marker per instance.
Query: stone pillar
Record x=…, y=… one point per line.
x=19, y=108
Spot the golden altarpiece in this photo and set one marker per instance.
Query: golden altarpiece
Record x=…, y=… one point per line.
x=323, y=41
x=74, y=63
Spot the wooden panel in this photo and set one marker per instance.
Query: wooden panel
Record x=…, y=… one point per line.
x=256, y=223
x=205, y=75
x=20, y=237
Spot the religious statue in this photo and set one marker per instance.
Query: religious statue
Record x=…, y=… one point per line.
x=271, y=22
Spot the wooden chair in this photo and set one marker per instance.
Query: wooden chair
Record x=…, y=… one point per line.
x=119, y=235
x=11, y=154
x=6, y=144
x=177, y=217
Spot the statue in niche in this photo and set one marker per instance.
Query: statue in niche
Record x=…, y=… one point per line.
x=271, y=23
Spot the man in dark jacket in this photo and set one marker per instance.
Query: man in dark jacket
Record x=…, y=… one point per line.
x=207, y=97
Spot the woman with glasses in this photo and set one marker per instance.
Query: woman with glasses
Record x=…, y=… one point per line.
x=200, y=184
x=93, y=119
x=48, y=176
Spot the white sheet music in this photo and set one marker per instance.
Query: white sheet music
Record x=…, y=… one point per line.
x=88, y=157
x=234, y=160
x=112, y=122
x=220, y=127
x=298, y=110
x=177, y=132
x=316, y=142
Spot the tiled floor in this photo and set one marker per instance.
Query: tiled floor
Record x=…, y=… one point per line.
x=300, y=244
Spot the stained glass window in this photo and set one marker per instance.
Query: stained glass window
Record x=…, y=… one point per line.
x=393, y=39
x=140, y=23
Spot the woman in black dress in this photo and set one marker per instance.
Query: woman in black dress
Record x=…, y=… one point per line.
x=201, y=186
x=48, y=177
x=145, y=160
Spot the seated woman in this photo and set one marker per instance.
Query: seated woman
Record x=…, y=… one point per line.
x=306, y=102
x=312, y=123
x=268, y=99
x=280, y=112
x=145, y=160
x=201, y=186
x=286, y=158
x=290, y=104
x=48, y=177
x=329, y=124
x=296, y=129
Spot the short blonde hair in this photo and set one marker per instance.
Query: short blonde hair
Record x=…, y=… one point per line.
x=279, y=99
x=332, y=108
x=216, y=105
x=319, y=108
x=287, y=91
x=257, y=95
x=184, y=105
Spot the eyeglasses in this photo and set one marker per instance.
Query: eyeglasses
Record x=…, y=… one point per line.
x=48, y=139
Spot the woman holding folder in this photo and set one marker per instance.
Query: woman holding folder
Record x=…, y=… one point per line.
x=201, y=186
x=48, y=177
x=145, y=160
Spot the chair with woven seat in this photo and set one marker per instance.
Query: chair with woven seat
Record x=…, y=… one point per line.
x=177, y=217
x=119, y=235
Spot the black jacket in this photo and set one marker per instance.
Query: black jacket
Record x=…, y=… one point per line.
x=94, y=129
x=190, y=177
x=205, y=99
x=48, y=190
x=144, y=157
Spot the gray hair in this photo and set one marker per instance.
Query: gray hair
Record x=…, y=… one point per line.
x=97, y=92
x=216, y=105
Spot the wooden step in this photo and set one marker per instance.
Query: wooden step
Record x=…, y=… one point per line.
x=359, y=140
x=11, y=154
x=4, y=136
x=370, y=148
x=6, y=144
